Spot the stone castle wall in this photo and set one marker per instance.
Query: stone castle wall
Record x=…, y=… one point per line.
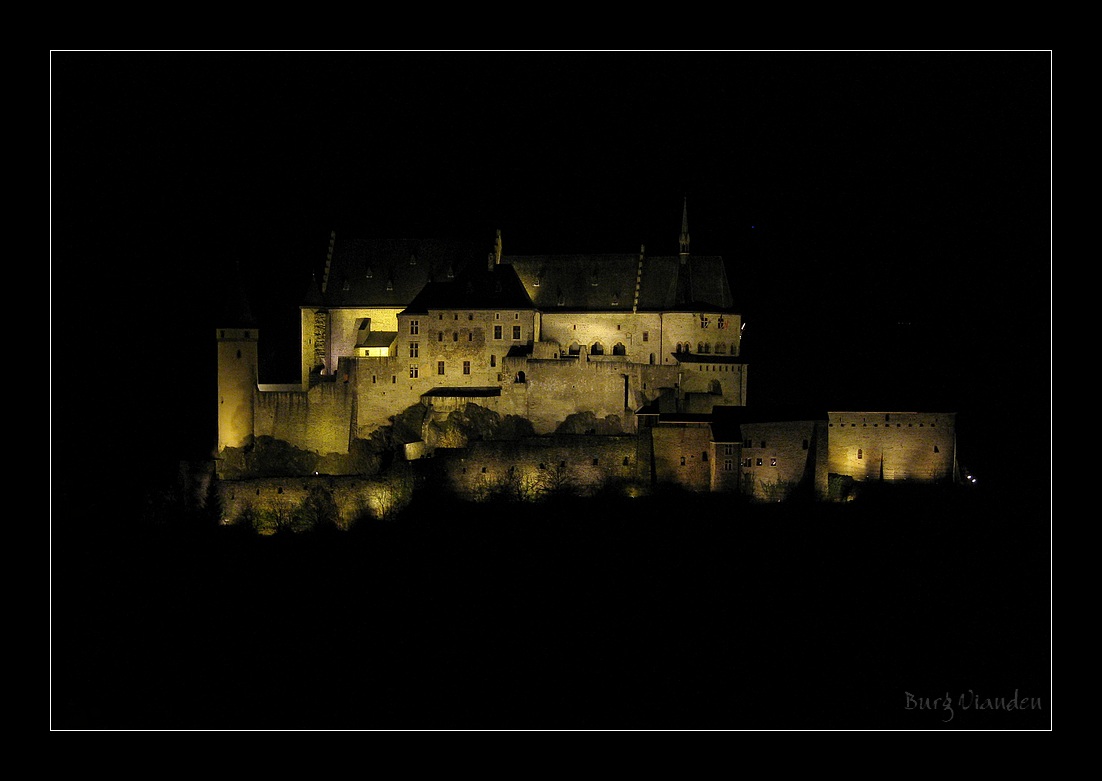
x=892, y=445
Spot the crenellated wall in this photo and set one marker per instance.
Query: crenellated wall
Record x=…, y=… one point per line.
x=893, y=445
x=317, y=420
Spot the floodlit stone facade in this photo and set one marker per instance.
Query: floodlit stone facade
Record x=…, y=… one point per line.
x=622, y=369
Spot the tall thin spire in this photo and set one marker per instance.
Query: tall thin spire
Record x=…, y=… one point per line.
x=685, y=231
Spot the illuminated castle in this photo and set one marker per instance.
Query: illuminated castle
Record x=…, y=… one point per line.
x=582, y=369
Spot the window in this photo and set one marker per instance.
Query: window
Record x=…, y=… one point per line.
x=455, y=336
x=746, y=462
x=440, y=336
x=936, y=450
x=497, y=315
x=516, y=331
x=596, y=461
x=413, y=371
x=439, y=367
x=704, y=456
x=772, y=462
x=440, y=316
x=372, y=379
x=728, y=450
x=413, y=349
x=414, y=327
x=728, y=465
x=516, y=315
x=763, y=443
x=860, y=453
x=682, y=460
x=455, y=316
x=497, y=331
x=466, y=367
x=759, y=462
x=627, y=461
x=646, y=336
x=470, y=315
x=493, y=361
x=470, y=336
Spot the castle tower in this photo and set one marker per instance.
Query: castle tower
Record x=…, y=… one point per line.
x=238, y=365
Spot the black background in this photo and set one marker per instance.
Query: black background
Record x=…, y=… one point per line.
x=885, y=216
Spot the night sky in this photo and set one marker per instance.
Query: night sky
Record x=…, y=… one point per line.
x=885, y=217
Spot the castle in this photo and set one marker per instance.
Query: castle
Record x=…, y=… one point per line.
x=548, y=371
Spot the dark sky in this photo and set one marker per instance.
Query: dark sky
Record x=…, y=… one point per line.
x=851, y=192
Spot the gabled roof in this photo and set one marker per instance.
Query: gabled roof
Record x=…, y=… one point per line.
x=607, y=283
x=389, y=272
x=496, y=287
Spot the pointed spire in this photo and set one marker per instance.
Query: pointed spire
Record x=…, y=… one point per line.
x=685, y=231
x=497, y=248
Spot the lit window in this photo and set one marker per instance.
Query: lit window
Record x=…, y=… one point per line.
x=466, y=367
x=772, y=462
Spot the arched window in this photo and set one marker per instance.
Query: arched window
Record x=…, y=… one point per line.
x=619, y=349
x=700, y=347
x=574, y=348
x=652, y=359
x=597, y=349
x=520, y=377
x=721, y=348
x=678, y=348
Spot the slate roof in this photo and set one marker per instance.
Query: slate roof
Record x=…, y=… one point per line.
x=498, y=287
x=463, y=392
x=367, y=273
x=607, y=283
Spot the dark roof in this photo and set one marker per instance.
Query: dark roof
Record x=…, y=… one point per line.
x=390, y=272
x=465, y=392
x=380, y=339
x=607, y=283
x=496, y=287
x=684, y=417
x=706, y=358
